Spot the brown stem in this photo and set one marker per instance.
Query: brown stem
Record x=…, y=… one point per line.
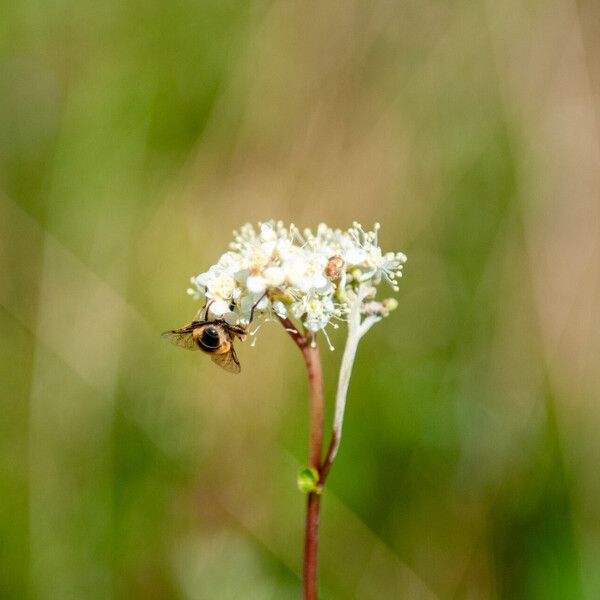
x=298, y=338
x=315, y=380
x=324, y=471
x=310, y=352
x=311, y=539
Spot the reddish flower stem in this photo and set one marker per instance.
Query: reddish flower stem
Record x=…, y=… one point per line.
x=310, y=352
x=324, y=470
x=311, y=539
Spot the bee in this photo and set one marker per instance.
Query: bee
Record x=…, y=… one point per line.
x=334, y=267
x=215, y=338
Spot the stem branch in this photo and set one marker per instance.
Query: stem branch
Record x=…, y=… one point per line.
x=356, y=330
x=310, y=352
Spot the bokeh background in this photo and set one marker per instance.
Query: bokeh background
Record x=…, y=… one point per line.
x=134, y=136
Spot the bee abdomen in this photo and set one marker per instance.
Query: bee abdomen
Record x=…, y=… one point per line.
x=210, y=340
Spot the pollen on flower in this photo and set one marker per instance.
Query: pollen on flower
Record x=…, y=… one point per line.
x=311, y=276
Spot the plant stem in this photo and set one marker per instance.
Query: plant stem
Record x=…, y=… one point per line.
x=311, y=536
x=357, y=327
x=315, y=379
x=311, y=539
x=312, y=358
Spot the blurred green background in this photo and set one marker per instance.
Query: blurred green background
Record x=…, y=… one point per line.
x=134, y=136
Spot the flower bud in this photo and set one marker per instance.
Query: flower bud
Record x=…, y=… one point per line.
x=390, y=304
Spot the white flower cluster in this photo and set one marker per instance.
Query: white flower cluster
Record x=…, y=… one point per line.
x=310, y=276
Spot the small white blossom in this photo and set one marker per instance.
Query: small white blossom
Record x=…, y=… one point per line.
x=314, y=277
x=256, y=284
x=316, y=311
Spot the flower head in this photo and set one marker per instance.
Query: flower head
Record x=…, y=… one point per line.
x=309, y=276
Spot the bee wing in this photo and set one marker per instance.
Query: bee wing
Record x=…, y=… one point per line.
x=182, y=337
x=229, y=361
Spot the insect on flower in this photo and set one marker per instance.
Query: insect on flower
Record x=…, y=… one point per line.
x=334, y=267
x=212, y=337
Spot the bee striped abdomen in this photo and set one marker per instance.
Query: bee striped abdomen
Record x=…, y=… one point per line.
x=210, y=340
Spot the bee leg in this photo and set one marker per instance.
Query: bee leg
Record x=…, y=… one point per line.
x=207, y=306
x=255, y=305
x=238, y=330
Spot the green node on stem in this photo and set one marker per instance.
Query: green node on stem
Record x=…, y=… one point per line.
x=307, y=480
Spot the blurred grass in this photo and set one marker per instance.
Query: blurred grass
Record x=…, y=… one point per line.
x=134, y=136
